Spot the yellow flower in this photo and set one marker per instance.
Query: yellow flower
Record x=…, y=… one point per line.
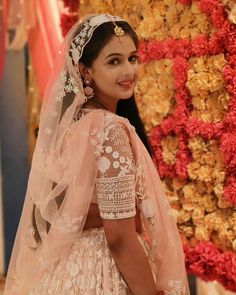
x=201, y=233
x=95, y=6
x=154, y=100
x=186, y=230
x=206, y=85
x=169, y=146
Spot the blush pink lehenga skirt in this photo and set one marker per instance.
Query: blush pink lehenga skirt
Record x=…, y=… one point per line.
x=88, y=269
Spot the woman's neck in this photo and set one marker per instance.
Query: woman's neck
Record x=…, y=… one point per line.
x=94, y=104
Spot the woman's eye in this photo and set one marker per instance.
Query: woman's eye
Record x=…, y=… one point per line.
x=133, y=58
x=114, y=61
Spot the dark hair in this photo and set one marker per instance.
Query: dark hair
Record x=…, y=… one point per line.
x=126, y=108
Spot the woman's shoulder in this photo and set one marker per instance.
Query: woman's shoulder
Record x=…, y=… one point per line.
x=105, y=118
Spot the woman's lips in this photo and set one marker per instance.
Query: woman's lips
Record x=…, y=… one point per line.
x=126, y=84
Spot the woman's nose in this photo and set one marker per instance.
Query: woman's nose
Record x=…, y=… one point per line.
x=129, y=67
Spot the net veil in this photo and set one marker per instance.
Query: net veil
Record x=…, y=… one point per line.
x=63, y=175
x=51, y=191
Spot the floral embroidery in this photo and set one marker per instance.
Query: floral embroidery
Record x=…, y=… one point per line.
x=54, y=114
x=176, y=286
x=116, y=180
x=103, y=164
x=48, y=131
x=115, y=155
x=116, y=196
x=108, y=149
x=88, y=268
x=69, y=224
x=85, y=34
x=116, y=164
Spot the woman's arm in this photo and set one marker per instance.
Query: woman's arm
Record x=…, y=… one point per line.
x=116, y=195
x=129, y=255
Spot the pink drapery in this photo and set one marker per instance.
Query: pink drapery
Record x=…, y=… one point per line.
x=3, y=28
x=44, y=39
x=44, y=35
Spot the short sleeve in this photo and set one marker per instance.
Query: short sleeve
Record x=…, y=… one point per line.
x=115, y=183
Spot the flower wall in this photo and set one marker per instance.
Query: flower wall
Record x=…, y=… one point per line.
x=187, y=99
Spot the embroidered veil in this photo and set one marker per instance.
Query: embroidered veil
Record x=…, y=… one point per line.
x=63, y=179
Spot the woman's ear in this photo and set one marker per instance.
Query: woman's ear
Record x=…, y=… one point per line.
x=84, y=71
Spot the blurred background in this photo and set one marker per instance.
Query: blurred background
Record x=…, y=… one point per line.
x=186, y=96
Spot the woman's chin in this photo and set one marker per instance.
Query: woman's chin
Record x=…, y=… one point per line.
x=127, y=95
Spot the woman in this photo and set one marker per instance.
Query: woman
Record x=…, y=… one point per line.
x=95, y=220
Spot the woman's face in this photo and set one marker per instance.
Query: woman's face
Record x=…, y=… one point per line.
x=114, y=72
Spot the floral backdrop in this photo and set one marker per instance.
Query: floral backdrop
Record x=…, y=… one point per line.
x=187, y=99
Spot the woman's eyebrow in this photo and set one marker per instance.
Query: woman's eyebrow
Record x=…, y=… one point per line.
x=119, y=54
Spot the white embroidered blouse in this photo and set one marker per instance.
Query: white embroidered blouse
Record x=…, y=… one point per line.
x=115, y=184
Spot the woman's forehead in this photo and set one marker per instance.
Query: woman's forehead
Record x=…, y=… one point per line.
x=122, y=45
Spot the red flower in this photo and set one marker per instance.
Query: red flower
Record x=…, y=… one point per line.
x=225, y=269
x=200, y=46
x=203, y=266
x=231, y=41
x=230, y=190
x=67, y=21
x=209, y=263
x=218, y=17
x=155, y=50
x=215, y=44
x=206, y=6
x=182, y=157
x=73, y=5
x=169, y=47
x=180, y=74
x=143, y=54
x=182, y=48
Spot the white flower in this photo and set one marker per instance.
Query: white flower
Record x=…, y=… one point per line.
x=147, y=209
x=116, y=164
x=115, y=155
x=75, y=54
x=108, y=149
x=48, y=131
x=54, y=114
x=122, y=159
x=103, y=164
